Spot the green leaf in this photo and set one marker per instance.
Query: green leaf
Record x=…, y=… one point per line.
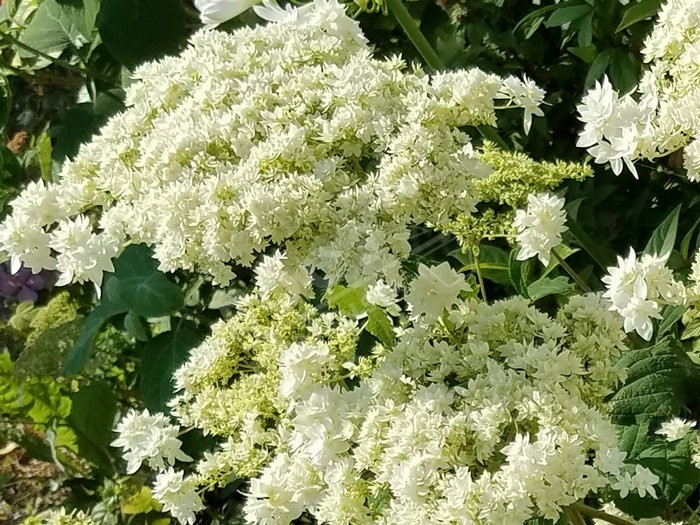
x=603, y=256
x=638, y=12
x=91, y=417
x=567, y=13
x=598, y=67
x=678, y=478
x=534, y=16
x=687, y=239
x=658, y=383
x=564, y=252
x=664, y=236
x=161, y=357
x=519, y=272
x=140, y=286
x=670, y=316
x=493, y=263
x=134, y=326
x=545, y=286
x=82, y=121
x=352, y=302
x=58, y=25
x=623, y=70
x=691, y=331
x=348, y=301
x=585, y=53
x=135, y=31
x=82, y=349
x=44, y=149
x=633, y=439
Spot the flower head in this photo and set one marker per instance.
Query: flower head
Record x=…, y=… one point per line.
x=540, y=226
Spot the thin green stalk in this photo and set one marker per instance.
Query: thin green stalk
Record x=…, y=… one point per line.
x=414, y=34
x=480, y=277
x=580, y=282
x=584, y=509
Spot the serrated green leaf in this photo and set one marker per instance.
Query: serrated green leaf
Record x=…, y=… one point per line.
x=633, y=439
x=637, y=12
x=160, y=358
x=379, y=324
x=545, y=286
x=348, y=301
x=657, y=384
x=664, y=236
x=671, y=461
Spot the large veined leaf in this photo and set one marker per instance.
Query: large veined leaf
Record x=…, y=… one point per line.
x=659, y=382
x=161, y=357
x=91, y=417
x=140, y=286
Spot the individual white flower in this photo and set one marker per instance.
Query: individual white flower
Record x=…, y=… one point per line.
x=215, y=12
x=177, y=495
x=523, y=94
x=540, y=226
x=644, y=481
x=435, y=289
x=149, y=438
x=25, y=243
x=610, y=460
x=384, y=296
x=635, y=287
x=275, y=275
x=675, y=429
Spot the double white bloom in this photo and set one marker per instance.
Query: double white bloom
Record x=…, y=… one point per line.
x=540, y=226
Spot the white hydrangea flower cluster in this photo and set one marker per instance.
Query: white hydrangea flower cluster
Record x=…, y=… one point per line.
x=662, y=116
x=540, y=226
x=458, y=423
x=148, y=438
x=676, y=428
x=637, y=288
x=288, y=134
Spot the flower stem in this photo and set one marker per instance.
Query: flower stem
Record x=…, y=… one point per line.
x=575, y=517
x=584, y=509
x=576, y=277
x=414, y=34
x=482, y=286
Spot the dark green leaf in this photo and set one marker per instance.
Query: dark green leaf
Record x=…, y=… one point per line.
x=545, y=286
x=585, y=53
x=493, y=263
x=135, y=31
x=623, y=70
x=57, y=25
x=657, y=384
x=603, y=256
x=82, y=349
x=134, y=326
x=161, y=357
x=633, y=439
x=519, y=272
x=678, y=478
x=567, y=13
x=598, y=67
x=687, y=239
x=140, y=286
x=81, y=122
x=92, y=418
x=638, y=12
x=5, y=102
x=671, y=315
x=664, y=236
